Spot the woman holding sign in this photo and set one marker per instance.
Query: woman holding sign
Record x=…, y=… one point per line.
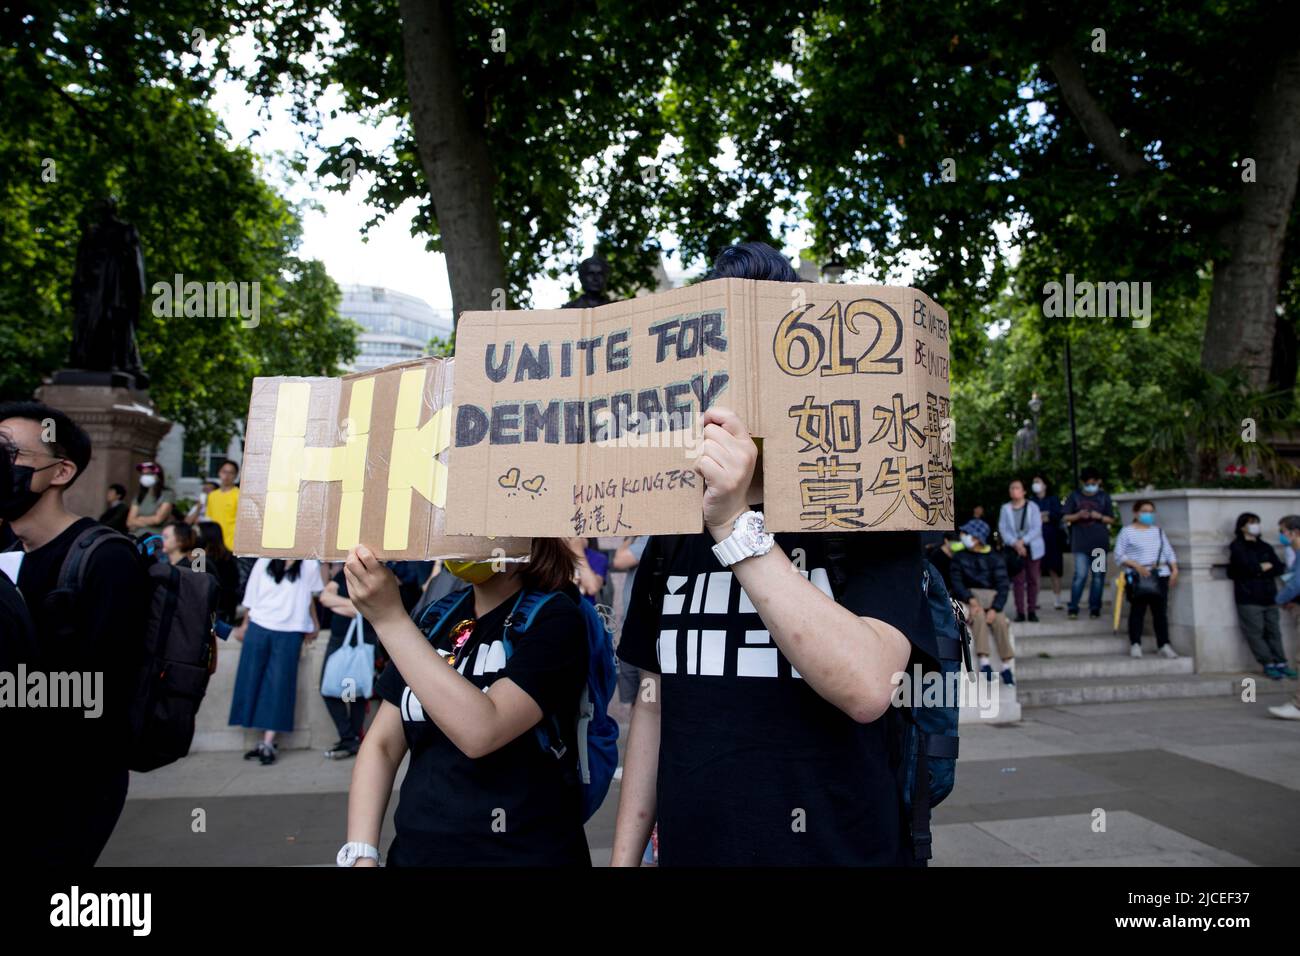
x=471, y=702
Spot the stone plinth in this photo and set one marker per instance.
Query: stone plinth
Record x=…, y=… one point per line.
x=1202, y=612
x=123, y=427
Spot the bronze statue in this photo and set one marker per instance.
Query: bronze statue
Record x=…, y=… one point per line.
x=107, y=287
x=1025, y=447
x=593, y=273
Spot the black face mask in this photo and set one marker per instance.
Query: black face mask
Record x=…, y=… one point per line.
x=16, y=495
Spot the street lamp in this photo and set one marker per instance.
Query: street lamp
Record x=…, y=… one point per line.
x=833, y=270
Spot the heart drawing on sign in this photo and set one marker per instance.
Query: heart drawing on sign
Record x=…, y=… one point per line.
x=510, y=479
x=534, y=484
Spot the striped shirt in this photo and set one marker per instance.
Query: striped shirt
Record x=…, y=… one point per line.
x=1144, y=546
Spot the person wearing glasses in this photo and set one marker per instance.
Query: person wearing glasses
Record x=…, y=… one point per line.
x=78, y=782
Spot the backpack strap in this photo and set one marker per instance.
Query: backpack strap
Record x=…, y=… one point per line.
x=73, y=571
x=522, y=612
x=440, y=610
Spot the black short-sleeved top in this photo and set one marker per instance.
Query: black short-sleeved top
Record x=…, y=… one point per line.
x=518, y=806
x=755, y=768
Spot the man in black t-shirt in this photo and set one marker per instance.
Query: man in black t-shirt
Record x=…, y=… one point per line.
x=763, y=734
x=79, y=775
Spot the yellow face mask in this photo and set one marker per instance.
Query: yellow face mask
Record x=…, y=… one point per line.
x=475, y=572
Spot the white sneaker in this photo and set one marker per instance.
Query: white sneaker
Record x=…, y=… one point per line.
x=1287, y=711
x=1135, y=650
x=1168, y=651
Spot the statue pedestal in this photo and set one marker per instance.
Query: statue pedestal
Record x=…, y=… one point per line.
x=123, y=427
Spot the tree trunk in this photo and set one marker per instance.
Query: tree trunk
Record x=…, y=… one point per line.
x=1243, y=303
x=453, y=153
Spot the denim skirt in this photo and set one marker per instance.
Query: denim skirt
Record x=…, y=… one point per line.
x=266, y=685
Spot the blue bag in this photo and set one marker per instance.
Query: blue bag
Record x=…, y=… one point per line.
x=350, y=670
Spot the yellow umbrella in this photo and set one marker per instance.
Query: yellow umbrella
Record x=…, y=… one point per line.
x=1119, y=602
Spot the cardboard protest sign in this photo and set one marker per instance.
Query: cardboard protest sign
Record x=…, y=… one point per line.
x=584, y=422
x=331, y=462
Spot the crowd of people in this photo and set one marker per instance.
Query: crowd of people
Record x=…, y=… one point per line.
x=756, y=689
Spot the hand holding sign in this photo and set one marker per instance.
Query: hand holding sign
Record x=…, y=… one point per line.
x=727, y=456
x=372, y=588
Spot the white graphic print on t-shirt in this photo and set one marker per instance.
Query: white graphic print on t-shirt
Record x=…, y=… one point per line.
x=488, y=659
x=743, y=648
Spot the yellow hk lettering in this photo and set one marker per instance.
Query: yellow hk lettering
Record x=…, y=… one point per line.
x=292, y=463
x=414, y=465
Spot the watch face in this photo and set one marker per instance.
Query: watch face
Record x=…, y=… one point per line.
x=347, y=855
x=751, y=531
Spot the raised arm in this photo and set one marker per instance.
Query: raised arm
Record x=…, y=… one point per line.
x=847, y=659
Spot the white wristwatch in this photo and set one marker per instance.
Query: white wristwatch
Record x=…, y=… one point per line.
x=748, y=539
x=349, y=853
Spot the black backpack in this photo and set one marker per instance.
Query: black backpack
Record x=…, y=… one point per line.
x=174, y=650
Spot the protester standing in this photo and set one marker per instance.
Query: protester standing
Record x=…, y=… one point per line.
x=1144, y=549
x=223, y=502
x=1289, y=529
x=77, y=778
x=1254, y=568
x=221, y=564
x=280, y=598
x=349, y=716
x=1049, y=509
x=769, y=691
x=480, y=789
x=1022, y=531
x=178, y=542
x=1089, y=513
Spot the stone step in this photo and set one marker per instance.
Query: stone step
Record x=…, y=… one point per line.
x=1075, y=645
x=1063, y=627
x=1086, y=667
x=1064, y=693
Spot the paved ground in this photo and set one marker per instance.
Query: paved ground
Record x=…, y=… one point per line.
x=1177, y=782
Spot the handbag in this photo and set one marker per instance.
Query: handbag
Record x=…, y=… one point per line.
x=1149, y=586
x=353, y=662
x=1015, y=563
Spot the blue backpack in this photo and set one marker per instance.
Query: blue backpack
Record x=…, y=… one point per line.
x=597, y=742
x=930, y=739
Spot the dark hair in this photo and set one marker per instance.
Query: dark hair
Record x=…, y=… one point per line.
x=70, y=440
x=1244, y=519
x=228, y=462
x=1290, y=522
x=278, y=571
x=550, y=565
x=1090, y=473
x=752, y=260
x=1141, y=503
x=119, y=488
x=157, y=488
x=211, y=540
x=184, y=535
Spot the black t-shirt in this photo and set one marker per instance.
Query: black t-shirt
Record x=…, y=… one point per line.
x=517, y=806
x=339, y=624
x=101, y=628
x=755, y=768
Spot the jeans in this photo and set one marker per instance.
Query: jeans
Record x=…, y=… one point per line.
x=1082, y=567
